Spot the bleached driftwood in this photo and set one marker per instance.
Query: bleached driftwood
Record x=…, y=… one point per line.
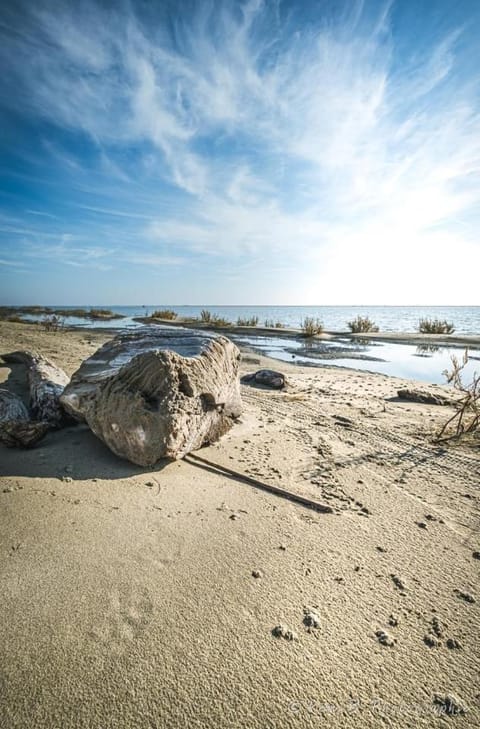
x=157, y=393
x=16, y=427
x=46, y=382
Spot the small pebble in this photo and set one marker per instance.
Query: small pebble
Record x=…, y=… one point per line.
x=431, y=640
x=453, y=644
x=8, y=490
x=476, y=555
x=257, y=573
x=311, y=618
x=467, y=596
x=280, y=631
x=385, y=638
x=449, y=704
x=397, y=582
x=421, y=524
x=393, y=621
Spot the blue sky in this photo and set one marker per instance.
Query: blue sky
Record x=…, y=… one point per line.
x=240, y=152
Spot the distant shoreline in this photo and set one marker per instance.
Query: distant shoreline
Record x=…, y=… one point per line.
x=414, y=338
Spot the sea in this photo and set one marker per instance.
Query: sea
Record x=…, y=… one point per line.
x=408, y=361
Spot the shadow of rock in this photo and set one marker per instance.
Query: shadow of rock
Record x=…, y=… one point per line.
x=71, y=453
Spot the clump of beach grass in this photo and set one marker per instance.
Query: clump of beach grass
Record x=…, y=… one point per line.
x=466, y=419
x=168, y=314
x=251, y=321
x=272, y=324
x=435, y=326
x=311, y=326
x=103, y=314
x=362, y=324
x=219, y=321
x=206, y=316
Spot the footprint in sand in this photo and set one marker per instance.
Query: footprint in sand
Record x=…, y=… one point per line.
x=127, y=616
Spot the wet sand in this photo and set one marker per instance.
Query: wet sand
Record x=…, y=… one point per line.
x=167, y=597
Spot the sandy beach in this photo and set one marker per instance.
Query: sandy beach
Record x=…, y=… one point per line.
x=147, y=598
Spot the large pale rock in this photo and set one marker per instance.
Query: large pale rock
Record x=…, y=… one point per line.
x=158, y=393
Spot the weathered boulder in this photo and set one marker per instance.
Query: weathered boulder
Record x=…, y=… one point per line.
x=267, y=378
x=46, y=382
x=16, y=427
x=157, y=393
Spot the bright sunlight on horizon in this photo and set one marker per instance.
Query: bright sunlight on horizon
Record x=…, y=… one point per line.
x=240, y=152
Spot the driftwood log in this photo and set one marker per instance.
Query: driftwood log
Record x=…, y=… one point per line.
x=16, y=427
x=157, y=393
x=46, y=382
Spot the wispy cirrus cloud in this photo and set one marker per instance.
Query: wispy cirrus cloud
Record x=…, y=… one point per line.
x=260, y=132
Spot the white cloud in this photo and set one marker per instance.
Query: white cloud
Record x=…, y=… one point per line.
x=312, y=143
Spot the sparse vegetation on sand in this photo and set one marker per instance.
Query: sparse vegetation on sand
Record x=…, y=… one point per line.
x=251, y=321
x=311, y=326
x=168, y=314
x=214, y=320
x=272, y=324
x=102, y=314
x=466, y=419
x=435, y=326
x=219, y=321
x=362, y=324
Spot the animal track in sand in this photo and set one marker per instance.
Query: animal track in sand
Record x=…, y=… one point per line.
x=127, y=616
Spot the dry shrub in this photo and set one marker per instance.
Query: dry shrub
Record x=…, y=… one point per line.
x=435, y=326
x=466, y=419
x=247, y=321
x=362, y=324
x=164, y=314
x=311, y=326
x=52, y=323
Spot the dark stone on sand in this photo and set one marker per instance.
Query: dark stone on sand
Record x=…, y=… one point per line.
x=423, y=396
x=466, y=596
x=267, y=378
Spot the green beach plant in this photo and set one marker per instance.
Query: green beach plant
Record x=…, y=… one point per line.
x=206, y=315
x=435, y=326
x=168, y=314
x=103, y=314
x=247, y=321
x=272, y=324
x=219, y=321
x=362, y=324
x=311, y=326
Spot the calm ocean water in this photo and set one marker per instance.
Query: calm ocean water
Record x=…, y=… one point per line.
x=401, y=360
x=466, y=319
